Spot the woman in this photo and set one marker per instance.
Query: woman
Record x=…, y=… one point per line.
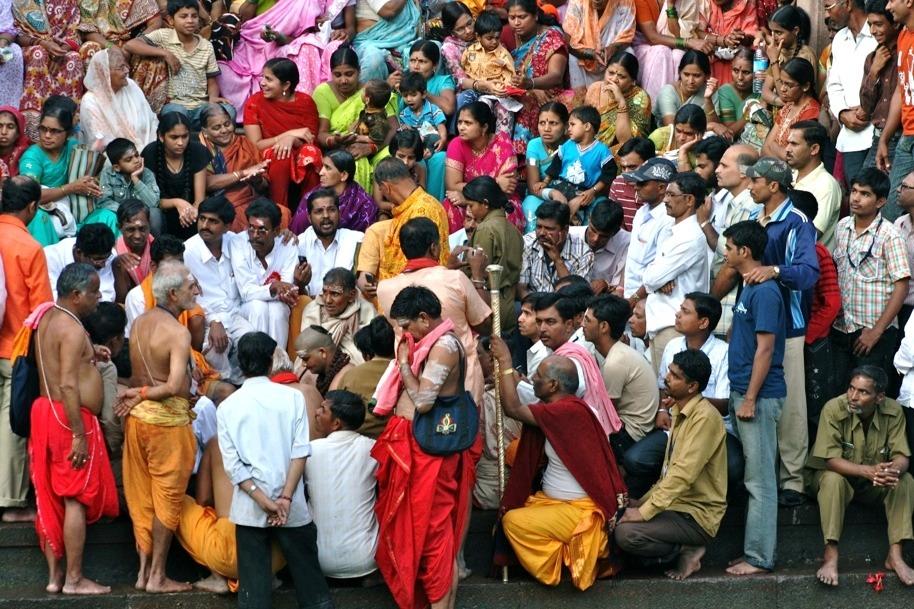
x=457, y=21
x=357, y=208
x=11, y=67
x=625, y=109
x=728, y=25
x=478, y=150
x=237, y=168
x=179, y=165
x=553, y=126
x=689, y=125
x=797, y=91
x=282, y=122
x=540, y=59
x=341, y=310
x=693, y=86
x=790, y=30
x=596, y=29
x=377, y=34
x=732, y=96
x=48, y=162
x=114, y=106
x=13, y=141
x=339, y=103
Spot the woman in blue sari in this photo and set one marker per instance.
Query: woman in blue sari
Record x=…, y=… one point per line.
x=379, y=34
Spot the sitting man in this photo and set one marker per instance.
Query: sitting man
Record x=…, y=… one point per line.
x=321, y=357
x=582, y=489
x=550, y=253
x=682, y=512
x=340, y=309
x=861, y=453
x=608, y=241
x=376, y=342
x=93, y=244
x=340, y=474
x=324, y=244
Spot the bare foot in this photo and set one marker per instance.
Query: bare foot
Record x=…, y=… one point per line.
x=736, y=561
x=166, y=585
x=828, y=572
x=744, y=568
x=55, y=583
x=85, y=586
x=143, y=575
x=897, y=564
x=214, y=583
x=18, y=515
x=689, y=562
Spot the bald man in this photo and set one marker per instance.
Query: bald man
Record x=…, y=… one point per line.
x=321, y=357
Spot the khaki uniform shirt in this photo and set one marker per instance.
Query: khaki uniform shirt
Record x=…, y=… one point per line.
x=841, y=435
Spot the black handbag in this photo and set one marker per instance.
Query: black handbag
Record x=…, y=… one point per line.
x=24, y=389
x=452, y=423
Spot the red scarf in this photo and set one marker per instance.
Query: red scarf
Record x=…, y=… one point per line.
x=417, y=264
x=9, y=164
x=284, y=378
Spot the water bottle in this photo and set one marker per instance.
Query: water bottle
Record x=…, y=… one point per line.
x=759, y=67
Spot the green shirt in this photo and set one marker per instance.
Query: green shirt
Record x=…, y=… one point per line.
x=841, y=435
x=503, y=244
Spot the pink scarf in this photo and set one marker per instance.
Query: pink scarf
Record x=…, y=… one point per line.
x=142, y=269
x=391, y=384
x=595, y=395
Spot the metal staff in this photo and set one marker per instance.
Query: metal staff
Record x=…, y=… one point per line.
x=494, y=271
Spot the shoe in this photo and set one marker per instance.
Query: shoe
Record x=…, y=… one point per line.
x=791, y=498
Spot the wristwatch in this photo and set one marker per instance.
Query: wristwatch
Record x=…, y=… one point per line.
x=777, y=272
x=251, y=489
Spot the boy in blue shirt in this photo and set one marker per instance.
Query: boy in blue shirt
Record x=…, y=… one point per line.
x=757, y=391
x=421, y=114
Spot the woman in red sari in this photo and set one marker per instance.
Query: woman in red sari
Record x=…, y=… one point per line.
x=282, y=123
x=13, y=141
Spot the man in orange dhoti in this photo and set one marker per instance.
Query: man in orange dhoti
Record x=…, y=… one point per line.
x=159, y=444
x=69, y=466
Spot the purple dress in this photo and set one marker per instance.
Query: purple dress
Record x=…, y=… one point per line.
x=357, y=210
x=11, y=72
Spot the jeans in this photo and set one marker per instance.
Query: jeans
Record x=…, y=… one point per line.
x=901, y=166
x=194, y=114
x=759, y=438
x=853, y=163
x=871, y=155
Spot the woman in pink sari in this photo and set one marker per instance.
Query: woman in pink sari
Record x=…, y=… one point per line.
x=479, y=151
x=284, y=30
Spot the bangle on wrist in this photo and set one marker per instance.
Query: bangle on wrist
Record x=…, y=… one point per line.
x=680, y=43
x=704, y=224
x=286, y=497
x=666, y=410
x=508, y=372
x=143, y=391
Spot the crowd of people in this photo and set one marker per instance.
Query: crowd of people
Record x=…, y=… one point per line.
x=275, y=272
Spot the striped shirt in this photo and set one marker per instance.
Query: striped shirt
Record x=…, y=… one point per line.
x=538, y=271
x=186, y=87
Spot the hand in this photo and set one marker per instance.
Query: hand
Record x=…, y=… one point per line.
x=130, y=399
x=254, y=170
x=746, y=410
x=305, y=135
x=187, y=213
x=722, y=130
x=848, y=118
x=282, y=148
x=394, y=80
x=773, y=50
x=599, y=286
x=477, y=259
x=218, y=338
x=551, y=249
x=700, y=44
x=518, y=81
x=102, y=353
x=439, y=145
x=128, y=261
x=341, y=35
x=631, y=514
x=500, y=352
x=403, y=352
x=711, y=87
x=79, y=452
x=453, y=259
x=867, y=340
x=881, y=58
x=663, y=420
x=283, y=506
x=507, y=183
x=734, y=39
x=886, y=474
x=171, y=60
x=759, y=274
x=558, y=197
x=861, y=115
x=686, y=147
x=703, y=212
x=455, y=197
x=285, y=292
x=882, y=156
x=369, y=290
x=288, y=237
x=614, y=90
x=667, y=288
x=87, y=186
x=136, y=175
x=54, y=48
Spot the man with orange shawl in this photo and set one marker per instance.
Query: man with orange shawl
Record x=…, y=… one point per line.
x=568, y=520
x=596, y=29
x=410, y=201
x=423, y=500
x=73, y=481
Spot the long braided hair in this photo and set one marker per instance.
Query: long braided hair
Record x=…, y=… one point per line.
x=167, y=122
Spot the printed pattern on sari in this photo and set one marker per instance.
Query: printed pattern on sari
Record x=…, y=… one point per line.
x=638, y=103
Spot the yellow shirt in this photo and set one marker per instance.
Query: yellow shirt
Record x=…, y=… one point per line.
x=841, y=435
x=419, y=204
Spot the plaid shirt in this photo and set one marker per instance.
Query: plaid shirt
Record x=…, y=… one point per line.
x=868, y=264
x=538, y=271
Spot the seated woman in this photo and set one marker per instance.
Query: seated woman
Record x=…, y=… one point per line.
x=341, y=310
x=797, y=91
x=693, y=86
x=596, y=29
x=357, y=208
x=689, y=125
x=113, y=105
x=408, y=147
x=339, y=103
x=478, y=150
x=553, y=127
x=731, y=98
x=457, y=21
x=11, y=68
x=625, y=109
x=790, y=31
x=382, y=28
x=728, y=25
x=13, y=141
x=48, y=162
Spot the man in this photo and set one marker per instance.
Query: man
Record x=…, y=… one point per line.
x=464, y=301
x=106, y=329
x=93, y=245
x=376, y=341
x=322, y=358
x=550, y=253
x=159, y=443
x=131, y=266
x=74, y=484
x=874, y=273
x=880, y=77
x=582, y=489
x=628, y=377
x=861, y=453
x=756, y=373
x=368, y=263
x=651, y=218
x=681, y=264
x=529, y=329
x=708, y=153
x=608, y=241
x=27, y=286
x=681, y=514
x=806, y=143
x=208, y=256
x=790, y=259
x=631, y=155
x=904, y=225
x=423, y=500
x=324, y=245
x=395, y=183
x=849, y=49
x=340, y=309
x=341, y=488
x=265, y=269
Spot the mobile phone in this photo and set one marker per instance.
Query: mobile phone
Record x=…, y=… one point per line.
x=302, y=259
x=370, y=278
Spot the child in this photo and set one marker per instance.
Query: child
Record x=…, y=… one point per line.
x=192, y=68
x=126, y=178
x=487, y=60
x=407, y=146
x=553, y=124
x=373, y=119
x=422, y=114
x=583, y=168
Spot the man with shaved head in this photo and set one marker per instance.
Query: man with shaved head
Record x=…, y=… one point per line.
x=321, y=357
x=582, y=490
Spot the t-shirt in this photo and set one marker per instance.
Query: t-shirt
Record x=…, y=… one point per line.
x=186, y=87
x=759, y=308
x=906, y=79
x=426, y=121
x=630, y=383
x=177, y=185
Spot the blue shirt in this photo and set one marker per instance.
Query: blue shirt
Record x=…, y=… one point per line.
x=426, y=122
x=759, y=308
x=582, y=167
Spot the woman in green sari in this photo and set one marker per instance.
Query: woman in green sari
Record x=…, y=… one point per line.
x=625, y=108
x=339, y=103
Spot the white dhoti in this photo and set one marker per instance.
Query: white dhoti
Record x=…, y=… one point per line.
x=270, y=316
x=226, y=362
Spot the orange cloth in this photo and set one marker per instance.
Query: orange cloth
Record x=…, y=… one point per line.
x=26, y=272
x=158, y=462
x=419, y=204
x=55, y=479
x=742, y=17
x=589, y=30
x=905, y=79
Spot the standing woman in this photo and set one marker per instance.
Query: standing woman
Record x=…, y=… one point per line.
x=625, y=108
x=357, y=209
x=597, y=30
x=692, y=87
x=540, y=61
x=13, y=141
x=797, y=91
x=11, y=69
x=553, y=127
x=179, y=165
x=283, y=124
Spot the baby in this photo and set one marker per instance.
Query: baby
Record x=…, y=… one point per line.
x=487, y=60
x=373, y=119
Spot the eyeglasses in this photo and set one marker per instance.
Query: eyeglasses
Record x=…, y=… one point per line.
x=670, y=195
x=828, y=7
x=123, y=68
x=258, y=230
x=50, y=130
x=787, y=84
x=904, y=186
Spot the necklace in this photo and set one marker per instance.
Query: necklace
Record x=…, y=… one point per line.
x=70, y=314
x=171, y=166
x=158, y=306
x=789, y=120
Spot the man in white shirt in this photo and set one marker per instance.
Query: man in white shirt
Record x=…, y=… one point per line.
x=341, y=488
x=265, y=270
x=208, y=256
x=166, y=247
x=805, y=143
x=93, y=244
x=324, y=245
x=609, y=243
x=849, y=49
x=263, y=438
x=650, y=185
x=681, y=265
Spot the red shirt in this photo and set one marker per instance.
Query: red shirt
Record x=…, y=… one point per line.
x=623, y=193
x=826, y=297
x=906, y=79
x=27, y=282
